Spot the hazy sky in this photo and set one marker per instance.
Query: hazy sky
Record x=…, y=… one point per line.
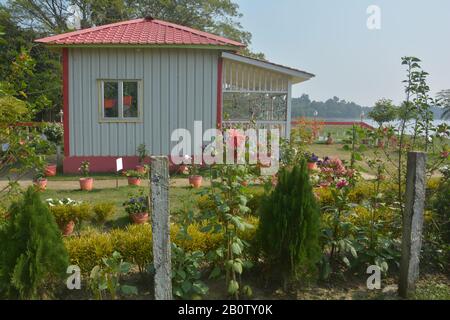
x=330, y=38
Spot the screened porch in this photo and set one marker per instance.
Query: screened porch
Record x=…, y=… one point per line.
x=257, y=92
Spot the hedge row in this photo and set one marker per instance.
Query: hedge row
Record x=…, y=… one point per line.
x=135, y=244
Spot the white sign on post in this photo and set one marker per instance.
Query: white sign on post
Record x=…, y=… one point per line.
x=119, y=164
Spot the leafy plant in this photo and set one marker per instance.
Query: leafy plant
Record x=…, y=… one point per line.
x=136, y=205
x=186, y=274
x=32, y=254
x=85, y=168
x=227, y=220
x=142, y=153
x=134, y=174
x=103, y=211
x=54, y=132
x=67, y=210
x=106, y=278
x=289, y=227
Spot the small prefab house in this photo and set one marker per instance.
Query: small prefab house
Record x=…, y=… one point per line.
x=135, y=82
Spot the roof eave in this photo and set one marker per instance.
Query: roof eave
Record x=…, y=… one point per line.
x=143, y=46
x=297, y=76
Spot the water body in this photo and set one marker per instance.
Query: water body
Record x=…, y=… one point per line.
x=409, y=128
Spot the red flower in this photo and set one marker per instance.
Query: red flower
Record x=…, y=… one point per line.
x=342, y=183
x=235, y=138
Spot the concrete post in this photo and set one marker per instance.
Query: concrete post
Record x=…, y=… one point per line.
x=161, y=228
x=412, y=222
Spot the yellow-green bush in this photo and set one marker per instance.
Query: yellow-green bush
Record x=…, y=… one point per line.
x=204, y=203
x=135, y=244
x=103, y=211
x=199, y=241
x=87, y=251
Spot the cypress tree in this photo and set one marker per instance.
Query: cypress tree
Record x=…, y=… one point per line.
x=32, y=253
x=290, y=225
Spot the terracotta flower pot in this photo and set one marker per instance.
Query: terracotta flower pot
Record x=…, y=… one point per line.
x=139, y=218
x=133, y=181
x=195, y=181
x=312, y=166
x=86, y=184
x=244, y=183
x=68, y=229
x=50, y=170
x=140, y=169
x=41, y=184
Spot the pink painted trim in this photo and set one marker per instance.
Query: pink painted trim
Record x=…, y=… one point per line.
x=219, y=93
x=65, y=66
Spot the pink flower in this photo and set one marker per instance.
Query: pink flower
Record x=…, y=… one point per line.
x=444, y=154
x=235, y=138
x=342, y=184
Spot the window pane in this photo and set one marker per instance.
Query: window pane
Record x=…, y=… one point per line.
x=130, y=99
x=110, y=102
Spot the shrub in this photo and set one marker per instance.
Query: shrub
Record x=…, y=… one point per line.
x=290, y=225
x=186, y=274
x=54, y=132
x=71, y=212
x=87, y=250
x=255, y=199
x=105, y=278
x=32, y=253
x=135, y=244
x=103, y=211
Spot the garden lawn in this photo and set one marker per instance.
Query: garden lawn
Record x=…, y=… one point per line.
x=179, y=197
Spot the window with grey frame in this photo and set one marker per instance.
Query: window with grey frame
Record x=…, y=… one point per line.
x=120, y=100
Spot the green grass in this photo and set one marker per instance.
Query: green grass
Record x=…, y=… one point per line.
x=179, y=199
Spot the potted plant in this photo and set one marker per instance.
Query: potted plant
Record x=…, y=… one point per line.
x=195, y=180
x=134, y=177
x=137, y=209
x=312, y=161
x=68, y=213
x=40, y=181
x=86, y=183
x=50, y=170
x=142, y=154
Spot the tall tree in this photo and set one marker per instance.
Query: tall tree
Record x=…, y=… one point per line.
x=383, y=111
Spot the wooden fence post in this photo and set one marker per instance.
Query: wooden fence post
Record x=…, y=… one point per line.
x=161, y=228
x=412, y=222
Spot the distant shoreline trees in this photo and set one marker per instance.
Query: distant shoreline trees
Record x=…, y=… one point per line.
x=336, y=108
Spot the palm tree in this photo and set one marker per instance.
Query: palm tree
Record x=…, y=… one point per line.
x=444, y=96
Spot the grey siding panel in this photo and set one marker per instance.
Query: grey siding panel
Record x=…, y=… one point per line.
x=178, y=87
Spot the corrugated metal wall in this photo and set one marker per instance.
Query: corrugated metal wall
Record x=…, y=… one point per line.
x=179, y=87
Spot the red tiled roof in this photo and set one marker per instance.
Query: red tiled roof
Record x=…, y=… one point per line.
x=139, y=32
